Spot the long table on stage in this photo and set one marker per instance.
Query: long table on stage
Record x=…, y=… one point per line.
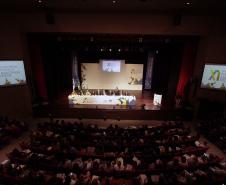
x=101, y=99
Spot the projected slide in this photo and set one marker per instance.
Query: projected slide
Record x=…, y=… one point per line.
x=214, y=77
x=129, y=78
x=111, y=66
x=12, y=73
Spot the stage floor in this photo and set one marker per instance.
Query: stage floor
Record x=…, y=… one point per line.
x=60, y=108
x=142, y=98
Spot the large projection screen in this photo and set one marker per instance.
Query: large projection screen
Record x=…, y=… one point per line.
x=214, y=77
x=130, y=76
x=12, y=73
x=113, y=66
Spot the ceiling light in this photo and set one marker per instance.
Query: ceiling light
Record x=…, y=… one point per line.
x=39, y=1
x=114, y=1
x=188, y=3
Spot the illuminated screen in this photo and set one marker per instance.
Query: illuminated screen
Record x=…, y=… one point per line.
x=111, y=66
x=12, y=73
x=214, y=77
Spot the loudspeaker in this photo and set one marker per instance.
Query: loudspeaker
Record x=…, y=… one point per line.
x=50, y=19
x=177, y=20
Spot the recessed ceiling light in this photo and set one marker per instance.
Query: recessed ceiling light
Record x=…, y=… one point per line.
x=140, y=39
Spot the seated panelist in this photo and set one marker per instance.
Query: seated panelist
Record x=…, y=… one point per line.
x=88, y=93
x=104, y=92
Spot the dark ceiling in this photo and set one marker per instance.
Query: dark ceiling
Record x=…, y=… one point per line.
x=207, y=7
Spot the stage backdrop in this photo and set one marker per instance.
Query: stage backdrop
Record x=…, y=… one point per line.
x=130, y=77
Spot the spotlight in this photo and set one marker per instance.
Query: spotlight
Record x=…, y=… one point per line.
x=110, y=49
x=101, y=49
x=91, y=39
x=188, y=3
x=119, y=50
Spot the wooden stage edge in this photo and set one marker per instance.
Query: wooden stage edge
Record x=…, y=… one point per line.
x=61, y=109
x=118, y=114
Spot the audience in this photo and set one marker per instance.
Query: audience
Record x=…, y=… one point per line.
x=65, y=153
x=10, y=128
x=215, y=130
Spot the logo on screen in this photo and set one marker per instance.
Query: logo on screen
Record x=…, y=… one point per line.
x=215, y=75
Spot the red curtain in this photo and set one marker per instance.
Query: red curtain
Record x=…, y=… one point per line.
x=187, y=65
x=37, y=69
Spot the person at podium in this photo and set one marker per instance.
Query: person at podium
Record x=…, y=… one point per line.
x=88, y=93
x=117, y=92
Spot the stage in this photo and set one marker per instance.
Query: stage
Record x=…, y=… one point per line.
x=143, y=110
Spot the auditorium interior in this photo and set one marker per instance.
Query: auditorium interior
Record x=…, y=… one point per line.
x=113, y=92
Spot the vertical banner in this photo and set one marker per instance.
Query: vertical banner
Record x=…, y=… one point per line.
x=149, y=70
x=75, y=78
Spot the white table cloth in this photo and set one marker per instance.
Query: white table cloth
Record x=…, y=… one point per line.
x=102, y=99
